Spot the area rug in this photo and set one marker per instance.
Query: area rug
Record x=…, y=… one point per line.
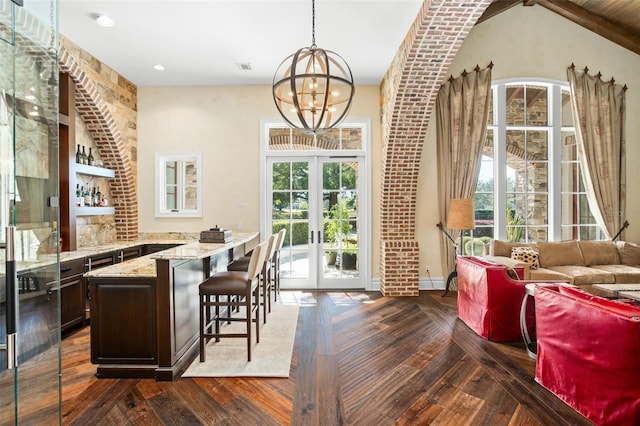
x=269, y=358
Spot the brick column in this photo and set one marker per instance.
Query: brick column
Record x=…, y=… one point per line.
x=409, y=91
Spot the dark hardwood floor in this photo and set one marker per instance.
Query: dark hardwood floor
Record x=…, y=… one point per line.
x=359, y=359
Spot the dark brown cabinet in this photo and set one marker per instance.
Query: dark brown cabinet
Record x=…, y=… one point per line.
x=128, y=254
x=154, y=248
x=100, y=260
x=72, y=294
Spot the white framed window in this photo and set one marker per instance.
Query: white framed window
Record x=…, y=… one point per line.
x=178, y=185
x=530, y=187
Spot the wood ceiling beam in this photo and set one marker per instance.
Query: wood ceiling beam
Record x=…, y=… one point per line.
x=599, y=25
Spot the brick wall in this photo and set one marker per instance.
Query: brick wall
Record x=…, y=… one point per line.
x=408, y=92
x=107, y=104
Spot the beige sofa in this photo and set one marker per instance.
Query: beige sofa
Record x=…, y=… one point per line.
x=580, y=262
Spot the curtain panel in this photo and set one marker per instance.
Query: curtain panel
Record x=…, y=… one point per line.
x=462, y=112
x=598, y=109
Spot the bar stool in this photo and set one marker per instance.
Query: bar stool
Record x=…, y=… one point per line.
x=266, y=276
x=276, y=263
x=232, y=289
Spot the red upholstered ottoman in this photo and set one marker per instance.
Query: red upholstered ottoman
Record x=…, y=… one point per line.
x=489, y=300
x=589, y=354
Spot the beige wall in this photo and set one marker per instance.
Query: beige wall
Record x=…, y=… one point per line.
x=223, y=123
x=533, y=42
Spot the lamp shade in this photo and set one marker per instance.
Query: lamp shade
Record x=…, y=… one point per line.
x=461, y=215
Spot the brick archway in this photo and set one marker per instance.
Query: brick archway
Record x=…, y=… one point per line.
x=410, y=89
x=102, y=127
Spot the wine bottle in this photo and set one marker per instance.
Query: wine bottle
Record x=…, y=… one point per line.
x=90, y=158
x=78, y=155
x=78, y=193
x=81, y=197
x=98, y=198
x=84, y=156
x=87, y=197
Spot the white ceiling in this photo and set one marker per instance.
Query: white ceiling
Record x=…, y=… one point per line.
x=199, y=42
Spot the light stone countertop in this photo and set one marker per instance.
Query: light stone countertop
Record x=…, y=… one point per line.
x=141, y=267
x=145, y=266
x=44, y=260
x=187, y=249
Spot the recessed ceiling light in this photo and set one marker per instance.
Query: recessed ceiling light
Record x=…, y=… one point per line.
x=105, y=21
x=158, y=67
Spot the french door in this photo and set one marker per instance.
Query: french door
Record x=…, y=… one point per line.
x=319, y=200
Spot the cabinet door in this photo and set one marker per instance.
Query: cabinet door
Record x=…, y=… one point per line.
x=72, y=302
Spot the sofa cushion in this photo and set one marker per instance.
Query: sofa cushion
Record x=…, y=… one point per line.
x=585, y=275
x=544, y=274
x=599, y=253
x=623, y=274
x=629, y=252
x=610, y=305
x=528, y=255
x=522, y=268
x=503, y=248
x=556, y=253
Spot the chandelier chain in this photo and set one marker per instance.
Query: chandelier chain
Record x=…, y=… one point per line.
x=313, y=24
x=313, y=88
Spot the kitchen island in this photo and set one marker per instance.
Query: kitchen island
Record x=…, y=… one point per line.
x=144, y=312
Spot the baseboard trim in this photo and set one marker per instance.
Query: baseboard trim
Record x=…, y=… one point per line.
x=424, y=283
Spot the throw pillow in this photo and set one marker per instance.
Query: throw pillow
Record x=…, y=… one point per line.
x=527, y=255
x=503, y=248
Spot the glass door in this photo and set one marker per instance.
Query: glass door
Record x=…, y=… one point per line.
x=341, y=237
x=29, y=244
x=316, y=199
x=293, y=207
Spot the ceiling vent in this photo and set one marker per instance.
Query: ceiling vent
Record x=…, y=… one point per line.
x=246, y=66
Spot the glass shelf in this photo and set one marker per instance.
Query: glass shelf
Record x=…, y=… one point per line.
x=94, y=171
x=94, y=211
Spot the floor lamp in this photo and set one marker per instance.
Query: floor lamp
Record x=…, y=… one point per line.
x=461, y=217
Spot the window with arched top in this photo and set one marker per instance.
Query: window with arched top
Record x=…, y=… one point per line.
x=529, y=187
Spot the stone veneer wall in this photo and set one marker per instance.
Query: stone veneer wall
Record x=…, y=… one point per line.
x=107, y=104
x=408, y=92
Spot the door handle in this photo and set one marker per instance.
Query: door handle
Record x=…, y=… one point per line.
x=12, y=300
x=311, y=237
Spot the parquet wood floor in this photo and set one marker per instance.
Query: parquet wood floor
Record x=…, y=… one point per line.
x=359, y=359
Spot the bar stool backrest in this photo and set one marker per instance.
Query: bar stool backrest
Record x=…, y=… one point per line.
x=273, y=239
x=271, y=245
x=281, y=234
x=257, y=260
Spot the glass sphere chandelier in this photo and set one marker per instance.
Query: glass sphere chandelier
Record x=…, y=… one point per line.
x=313, y=87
